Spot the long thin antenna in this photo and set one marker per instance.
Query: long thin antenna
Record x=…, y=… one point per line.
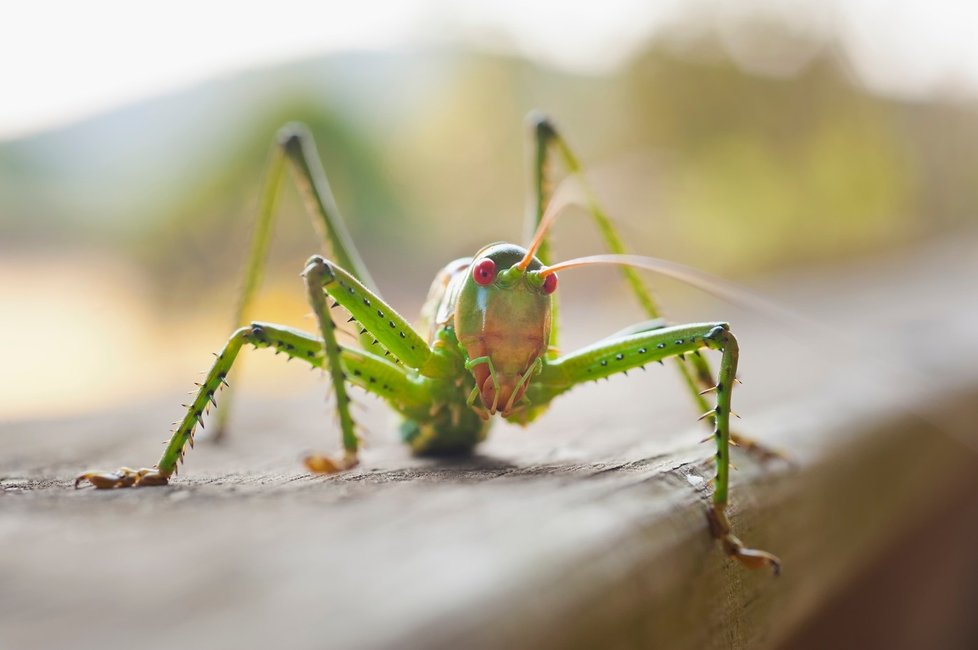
x=711, y=284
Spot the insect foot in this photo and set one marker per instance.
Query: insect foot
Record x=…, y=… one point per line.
x=750, y=557
x=123, y=478
x=321, y=464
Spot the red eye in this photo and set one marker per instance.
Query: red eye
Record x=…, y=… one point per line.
x=550, y=283
x=484, y=272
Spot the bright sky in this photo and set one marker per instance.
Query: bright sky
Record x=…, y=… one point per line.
x=64, y=60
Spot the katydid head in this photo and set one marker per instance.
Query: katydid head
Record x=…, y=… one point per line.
x=502, y=321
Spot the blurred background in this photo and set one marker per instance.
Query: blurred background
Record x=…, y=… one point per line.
x=771, y=142
x=741, y=138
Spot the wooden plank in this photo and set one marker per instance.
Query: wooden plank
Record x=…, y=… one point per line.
x=587, y=530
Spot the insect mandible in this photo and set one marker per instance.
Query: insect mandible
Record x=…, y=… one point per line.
x=486, y=345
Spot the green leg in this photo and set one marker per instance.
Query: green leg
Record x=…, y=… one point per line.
x=184, y=434
x=541, y=191
x=719, y=524
x=294, y=145
x=543, y=135
x=368, y=371
x=695, y=370
x=380, y=323
x=615, y=355
x=378, y=319
x=314, y=274
x=385, y=326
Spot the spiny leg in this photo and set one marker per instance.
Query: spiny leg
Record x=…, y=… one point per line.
x=372, y=373
x=258, y=335
x=748, y=445
x=620, y=354
x=315, y=273
x=722, y=339
x=694, y=370
x=379, y=320
x=294, y=144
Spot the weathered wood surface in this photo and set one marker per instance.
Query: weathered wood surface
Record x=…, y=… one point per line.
x=586, y=530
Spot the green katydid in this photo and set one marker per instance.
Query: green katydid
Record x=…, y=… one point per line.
x=488, y=340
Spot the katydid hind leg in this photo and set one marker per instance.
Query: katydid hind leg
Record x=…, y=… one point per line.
x=541, y=191
x=296, y=148
x=695, y=371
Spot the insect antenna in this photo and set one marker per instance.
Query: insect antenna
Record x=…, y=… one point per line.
x=570, y=192
x=742, y=297
x=701, y=280
x=567, y=193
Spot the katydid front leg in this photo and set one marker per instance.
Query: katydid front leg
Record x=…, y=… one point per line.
x=377, y=319
x=619, y=354
x=315, y=273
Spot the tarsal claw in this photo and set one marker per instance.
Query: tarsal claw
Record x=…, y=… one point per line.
x=122, y=478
